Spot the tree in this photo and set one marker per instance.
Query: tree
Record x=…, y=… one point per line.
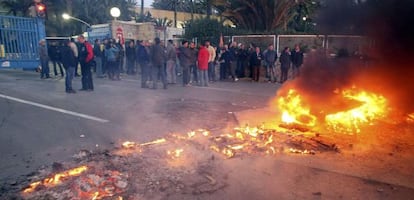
x=17, y=7
x=205, y=28
x=259, y=15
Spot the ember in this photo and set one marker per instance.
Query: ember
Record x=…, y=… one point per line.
x=56, y=179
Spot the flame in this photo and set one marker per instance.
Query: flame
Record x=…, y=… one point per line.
x=158, y=141
x=373, y=107
x=56, y=179
x=293, y=110
x=175, y=153
x=128, y=144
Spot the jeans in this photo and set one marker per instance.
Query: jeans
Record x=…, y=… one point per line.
x=203, y=74
x=158, y=69
x=145, y=73
x=99, y=69
x=194, y=71
x=171, y=74
x=271, y=72
x=130, y=66
x=284, y=74
x=87, y=82
x=70, y=73
x=45, y=69
x=55, y=62
x=186, y=74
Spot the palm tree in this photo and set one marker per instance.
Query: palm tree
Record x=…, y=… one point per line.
x=258, y=15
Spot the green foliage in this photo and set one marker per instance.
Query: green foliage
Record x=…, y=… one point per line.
x=204, y=28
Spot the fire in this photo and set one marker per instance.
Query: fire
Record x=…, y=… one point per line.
x=56, y=179
x=294, y=110
x=175, y=153
x=373, y=107
x=158, y=141
x=128, y=144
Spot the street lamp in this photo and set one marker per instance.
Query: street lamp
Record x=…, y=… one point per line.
x=115, y=12
x=67, y=17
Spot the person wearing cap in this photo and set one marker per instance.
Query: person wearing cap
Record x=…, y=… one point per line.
x=44, y=59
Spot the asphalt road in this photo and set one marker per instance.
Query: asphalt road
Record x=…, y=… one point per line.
x=41, y=124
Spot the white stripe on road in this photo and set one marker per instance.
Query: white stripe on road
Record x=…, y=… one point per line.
x=55, y=109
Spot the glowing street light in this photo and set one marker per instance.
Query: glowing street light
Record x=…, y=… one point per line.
x=115, y=12
x=67, y=17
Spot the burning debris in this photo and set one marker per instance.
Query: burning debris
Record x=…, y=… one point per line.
x=175, y=165
x=370, y=107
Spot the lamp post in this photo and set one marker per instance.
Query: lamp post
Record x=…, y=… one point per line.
x=67, y=17
x=115, y=12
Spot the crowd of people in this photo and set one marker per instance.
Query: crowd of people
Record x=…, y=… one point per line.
x=158, y=62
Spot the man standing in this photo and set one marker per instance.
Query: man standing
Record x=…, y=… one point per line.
x=98, y=53
x=144, y=62
x=69, y=62
x=285, y=61
x=85, y=58
x=185, y=56
x=203, y=61
x=171, y=63
x=44, y=59
x=297, y=60
x=193, y=65
x=130, y=58
x=74, y=48
x=211, y=61
x=54, y=54
x=270, y=59
x=158, y=58
x=233, y=60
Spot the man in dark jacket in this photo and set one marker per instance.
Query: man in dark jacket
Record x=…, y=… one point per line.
x=69, y=62
x=270, y=60
x=85, y=56
x=158, y=59
x=98, y=53
x=44, y=59
x=185, y=56
x=130, y=58
x=144, y=62
x=297, y=60
x=285, y=61
x=54, y=54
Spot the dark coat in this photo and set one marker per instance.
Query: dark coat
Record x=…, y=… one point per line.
x=130, y=53
x=185, y=56
x=256, y=59
x=142, y=54
x=297, y=58
x=285, y=60
x=68, y=57
x=158, y=56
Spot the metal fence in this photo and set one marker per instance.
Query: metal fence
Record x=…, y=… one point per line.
x=19, y=38
x=331, y=44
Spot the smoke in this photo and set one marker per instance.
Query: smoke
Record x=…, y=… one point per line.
x=388, y=67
